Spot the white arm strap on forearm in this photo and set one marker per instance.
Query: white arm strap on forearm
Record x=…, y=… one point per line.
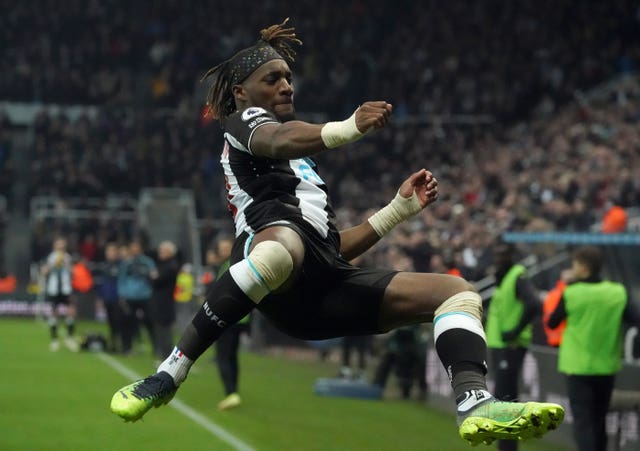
x=335, y=134
x=399, y=210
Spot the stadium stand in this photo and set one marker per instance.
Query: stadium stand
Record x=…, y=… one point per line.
x=429, y=57
x=558, y=169
x=527, y=112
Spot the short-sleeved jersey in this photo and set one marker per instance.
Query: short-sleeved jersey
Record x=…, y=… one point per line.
x=59, y=277
x=263, y=190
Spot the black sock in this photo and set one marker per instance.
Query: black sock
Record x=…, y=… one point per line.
x=465, y=380
x=225, y=304
x=463, y=354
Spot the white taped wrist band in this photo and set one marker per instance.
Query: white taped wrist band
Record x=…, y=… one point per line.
x=398, y=210
x=336, y=134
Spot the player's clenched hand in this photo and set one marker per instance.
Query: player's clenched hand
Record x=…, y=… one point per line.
x=373, y=115
x=424, y=184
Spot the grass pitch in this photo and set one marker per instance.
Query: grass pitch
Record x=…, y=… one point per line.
x=60, y=401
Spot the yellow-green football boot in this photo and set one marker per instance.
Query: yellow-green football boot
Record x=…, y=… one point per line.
x=134, y=400
x=498, y=420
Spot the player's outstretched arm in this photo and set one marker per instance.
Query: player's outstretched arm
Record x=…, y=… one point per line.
x=415, y=193
x=297, y=139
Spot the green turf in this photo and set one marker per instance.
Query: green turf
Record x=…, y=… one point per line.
x=60, y=401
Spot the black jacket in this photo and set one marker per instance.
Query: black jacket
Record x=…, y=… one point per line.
x=163, y=308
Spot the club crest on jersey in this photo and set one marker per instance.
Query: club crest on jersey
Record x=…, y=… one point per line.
x=252, y=112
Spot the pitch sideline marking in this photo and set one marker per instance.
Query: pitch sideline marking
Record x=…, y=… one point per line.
x=183, y=408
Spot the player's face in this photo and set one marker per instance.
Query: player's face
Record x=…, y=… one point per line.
x=60, y=245
x=270, y=87
x=580, y=270
x=111, y=253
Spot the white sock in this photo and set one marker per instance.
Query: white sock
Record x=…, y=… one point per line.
x=471, y=399
x=177, y=365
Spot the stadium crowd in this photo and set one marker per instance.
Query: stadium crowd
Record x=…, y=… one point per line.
x=526, y=163
x=557, y=172
x=427, y=57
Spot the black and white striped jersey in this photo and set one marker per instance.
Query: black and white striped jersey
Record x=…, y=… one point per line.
x=262, y=190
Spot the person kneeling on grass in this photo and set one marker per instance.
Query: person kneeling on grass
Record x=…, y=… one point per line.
x=290, y=262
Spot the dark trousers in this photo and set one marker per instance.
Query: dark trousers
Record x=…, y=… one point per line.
x=227, y=357
x=409, y=367
x=589, y=398
x=163, y=344
x=114, y=318
x=131, y=312
x=506, y=368
x=359, y=343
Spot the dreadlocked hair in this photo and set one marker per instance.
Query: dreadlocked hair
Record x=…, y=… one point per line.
x=220, y=99
x=281, y=39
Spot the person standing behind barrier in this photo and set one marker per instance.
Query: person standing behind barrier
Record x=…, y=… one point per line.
x=404, y=350
x=135, y=290
x=227, y=348
x=163, y=309
x=58, y=289
x=549, y=304
x=513, y=306
x=107, y=291
x=361, y=344
x=591, y=349
x=183, y=295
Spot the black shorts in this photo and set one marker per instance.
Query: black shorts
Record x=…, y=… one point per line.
x=59, y=299
x=331, y=298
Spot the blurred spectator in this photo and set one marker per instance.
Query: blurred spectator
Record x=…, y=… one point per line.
x=183, y=296
x=107, y=291
x=227, y=348
x=163, y=310
x=361, y=346
x=88, y=247
x=228, y=345
x=591, y=348
x=135, y=290
x=549, y=304
x=444, y=264
x=614, y=220
x=404, y=351
x=8, y=281
x=81, y=278
x=57, y=271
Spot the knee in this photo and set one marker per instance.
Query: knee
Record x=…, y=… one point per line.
x=267, y=267
x=467, y=300
x=273, y=262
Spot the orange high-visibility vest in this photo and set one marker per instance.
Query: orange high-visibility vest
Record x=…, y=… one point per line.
x=551, y=301
x=8, y=284
x=81, y=278
x=615, y=220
